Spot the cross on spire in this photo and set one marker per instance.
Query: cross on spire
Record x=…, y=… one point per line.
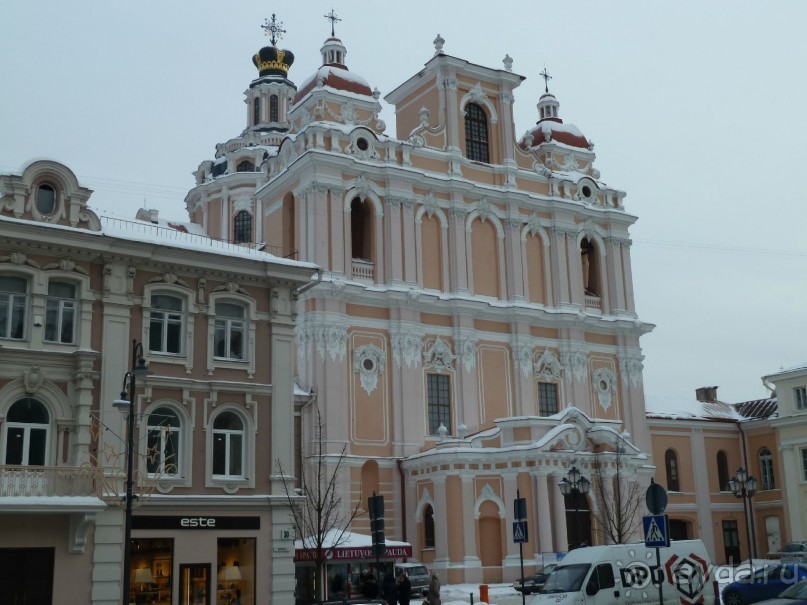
x=273, y=29
x=331, y=16
x=545, y=75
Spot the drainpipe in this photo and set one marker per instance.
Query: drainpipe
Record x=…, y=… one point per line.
x=402, y=480
x=311, y=284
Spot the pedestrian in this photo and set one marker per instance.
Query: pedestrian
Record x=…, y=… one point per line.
x=390, y=589
x=404, y=589
x=434, y=590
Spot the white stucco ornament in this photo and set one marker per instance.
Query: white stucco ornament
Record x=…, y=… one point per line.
x=604, y=383
x=522, y=357
x=577, y=361
x=369, y=361
x=468, y=354
x=548, y=367
x=406, y=349
x=439, y=356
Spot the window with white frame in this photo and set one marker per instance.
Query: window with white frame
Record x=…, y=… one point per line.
x=229, y=331
x=547, y=398
x=164, y=433
x=13, y=304
x=766, y=468
x=27, y=430
x=60, y=313
x=45, y=199
x=165, y=324
x=228, y=446
x=439, y=403
x=800, y=394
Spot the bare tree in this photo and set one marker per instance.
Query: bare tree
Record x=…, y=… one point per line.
x=316, y=504
x=619, y=506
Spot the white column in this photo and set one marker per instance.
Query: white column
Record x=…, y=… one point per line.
x=458, y=271
x=510, y=481
x=440, y=524
x=473, y=566
x=561, y=540
x=560, y=273
x=408, y=245
x=543, y=516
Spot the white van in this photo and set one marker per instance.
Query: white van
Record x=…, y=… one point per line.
x=622, y=574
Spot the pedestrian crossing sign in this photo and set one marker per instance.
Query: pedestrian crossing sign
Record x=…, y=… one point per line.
x=656, y=531
x=520, y=532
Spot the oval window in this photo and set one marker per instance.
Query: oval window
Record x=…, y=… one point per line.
x=45, y=199
x=586, y=191
x=369, y=365
x=362, y=144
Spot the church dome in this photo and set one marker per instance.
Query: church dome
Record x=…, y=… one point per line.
x=550, y=128
x=334, y=73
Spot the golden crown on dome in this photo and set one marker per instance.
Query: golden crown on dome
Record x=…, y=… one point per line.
x=271, y=60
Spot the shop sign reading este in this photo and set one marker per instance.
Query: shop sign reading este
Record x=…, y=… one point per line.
x=194, y=522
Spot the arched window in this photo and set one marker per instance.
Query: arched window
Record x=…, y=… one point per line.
x=245, y=166
x=476, y=133
x=27, y=428
x=242, y=227
x=13, y=304
x=163, y=443
x=228, y=446
x=671, y=466
x=723, y=471
x=360, y=229
x=256, y=111
x=228, y=338
x=766, y=469
x=428, y=527
x=45, y=199
x=273, y=108
x=165, y=324
x=590, y=267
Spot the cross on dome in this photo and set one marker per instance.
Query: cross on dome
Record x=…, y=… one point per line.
x=331, y=16
x=545, y=75
x=273, y=29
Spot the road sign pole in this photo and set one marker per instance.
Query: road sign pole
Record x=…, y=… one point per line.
x=519, y=506
x=660, y=577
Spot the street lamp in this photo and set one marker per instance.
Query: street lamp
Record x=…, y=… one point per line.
x=126, y=406
x=574, y=484
x=745, y=486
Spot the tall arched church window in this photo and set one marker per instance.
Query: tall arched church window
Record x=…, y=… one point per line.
x=360, y=229
x=256, y=111
x=723, y=471
x=428, y=527
x=671, y=466
x=476, y=133
x=242, y=227
x=273, y=108
x=766, y=469
x=27, y=427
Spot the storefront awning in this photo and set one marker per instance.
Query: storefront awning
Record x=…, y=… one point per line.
x=351, y=547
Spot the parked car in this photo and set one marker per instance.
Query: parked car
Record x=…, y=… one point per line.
x=795, y=595
x=764, y=583
x=534, y=583
x=794, y=552
x=419, y=577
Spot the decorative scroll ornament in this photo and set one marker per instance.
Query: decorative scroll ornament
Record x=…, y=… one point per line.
x=468, y=354
x=484, y=209
x=369, y=361
x=548, y=367
x=439, y=357
x=631, y=369
x=476, y=94
x=577, y=361
x=604, y=386
x=33, y=379
x=406, y=349
x=330, y=339
x=522, y=357
x=430, y=204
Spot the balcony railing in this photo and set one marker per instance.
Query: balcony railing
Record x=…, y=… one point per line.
x=18, y=481
x=593, y=302
x=363, y=270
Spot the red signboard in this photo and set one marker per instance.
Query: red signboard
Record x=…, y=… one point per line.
x=353, y=553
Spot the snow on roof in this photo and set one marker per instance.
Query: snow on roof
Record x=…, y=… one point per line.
x=51, y=502
x=337, y=78
x=689, y=407
x=349, y=540
x=801, y=366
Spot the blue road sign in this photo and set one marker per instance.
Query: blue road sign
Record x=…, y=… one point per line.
x=656, y=531
x=520, y=531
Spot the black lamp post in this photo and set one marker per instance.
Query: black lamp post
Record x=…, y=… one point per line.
x=126, y=406
x=574, y=484
x=745, y=486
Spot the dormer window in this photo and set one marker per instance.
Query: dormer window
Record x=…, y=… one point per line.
x=476, y=133
x=273, y=108
x=45, y=199
x=245, y=166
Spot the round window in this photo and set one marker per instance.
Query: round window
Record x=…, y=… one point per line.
x=368, y=365
x=586, y=191
x=603, y=385
x=362, y=144
x=45, y=199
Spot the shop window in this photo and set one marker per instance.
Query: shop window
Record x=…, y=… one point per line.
x=273, y=108
x=766, y=468
x=547, y=398
x=242, y=227
x=228, y=446
x=228, y=338
x=152, y=562
x=428, y=527
x=439, y=403
x=235, y=576
x=60, y=313
x=13, y=303
x=45, y=199
x=165, y=324
x=163, y=443
x=476, y=133
x=26, y=432
x=722, y=471
x=671, y=466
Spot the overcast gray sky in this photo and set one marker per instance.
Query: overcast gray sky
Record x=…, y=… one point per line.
x=697, y=110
